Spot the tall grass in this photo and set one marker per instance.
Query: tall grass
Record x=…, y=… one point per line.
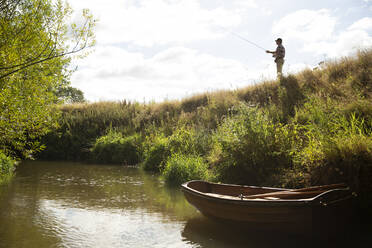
x=313, y=127
x=117, y=149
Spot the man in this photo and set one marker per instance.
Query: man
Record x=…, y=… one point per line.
x=279, y=55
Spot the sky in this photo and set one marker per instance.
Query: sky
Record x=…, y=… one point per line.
x=158, y=50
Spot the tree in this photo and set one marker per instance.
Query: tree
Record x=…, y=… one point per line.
x=35, y=31
x=36, y=47
x=70, y=95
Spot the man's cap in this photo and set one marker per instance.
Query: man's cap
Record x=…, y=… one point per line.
x=279, y=39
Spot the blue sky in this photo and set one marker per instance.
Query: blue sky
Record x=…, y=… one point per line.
x=154, y=50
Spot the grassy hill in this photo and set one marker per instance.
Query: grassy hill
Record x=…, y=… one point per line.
x=311, y=128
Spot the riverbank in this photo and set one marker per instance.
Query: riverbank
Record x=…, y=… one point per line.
x=311, y=128
x=7, y=166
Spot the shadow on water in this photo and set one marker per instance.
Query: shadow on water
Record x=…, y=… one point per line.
x=205, y=232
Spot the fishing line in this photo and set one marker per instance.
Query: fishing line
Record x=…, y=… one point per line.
x=242, y=38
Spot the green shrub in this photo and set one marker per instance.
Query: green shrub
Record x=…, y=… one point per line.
x=181, y=168
x=114, y=148
x=156, y=154
x=337, y=143
x=345, y=158
x=361, y=109
x=6, y=167
x=81, y=124
x=185, y=140
x=249, y=148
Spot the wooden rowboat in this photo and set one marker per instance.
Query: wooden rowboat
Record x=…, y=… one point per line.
x=299, y=210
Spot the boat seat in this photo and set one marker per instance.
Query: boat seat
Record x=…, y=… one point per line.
x=239, y=197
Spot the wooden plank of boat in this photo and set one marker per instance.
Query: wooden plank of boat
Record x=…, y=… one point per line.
x=290, y=194
x=323, y=187
x=271, y=196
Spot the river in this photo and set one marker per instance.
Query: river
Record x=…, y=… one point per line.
x=64, y=204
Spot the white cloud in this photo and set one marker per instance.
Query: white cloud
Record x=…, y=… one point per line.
x=345, y=42
x=316, y=30
x=306, y=25
x=162, y=30
x=246, y=4
x=159, y=22
x=248, y=7
x=297, y=67
x=362, y=24
x=113, y=73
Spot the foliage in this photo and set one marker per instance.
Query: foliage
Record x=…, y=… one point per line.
x=6, y=167
x=338, y=142
x=249, y=148
x=116, y=149
x=26, y=112
x=34, y=48
x=290, y=96
x=81, y=124
x=156, y=153
x=181, y=168
x=70, y=95
x=186, y=140
x=38, y=31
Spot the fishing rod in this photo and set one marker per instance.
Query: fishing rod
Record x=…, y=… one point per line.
x=244, y=39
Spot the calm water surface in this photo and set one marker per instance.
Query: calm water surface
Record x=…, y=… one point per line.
x=49, y=204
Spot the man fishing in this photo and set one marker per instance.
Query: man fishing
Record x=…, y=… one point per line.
x=279, y=55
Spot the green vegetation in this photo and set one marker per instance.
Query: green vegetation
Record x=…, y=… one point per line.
x=36, y=41
x=249, y=147
x=311, y=128
x=70, y=94
x=114, y=148
x=6, y=167
x=156, y=153
x=181, y=168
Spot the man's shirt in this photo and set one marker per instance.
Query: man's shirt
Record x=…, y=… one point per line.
x=280, y=52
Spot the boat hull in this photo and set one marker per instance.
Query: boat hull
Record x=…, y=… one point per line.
x=280, y=215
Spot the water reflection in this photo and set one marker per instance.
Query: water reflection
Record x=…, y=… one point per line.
x=212, y=233
x=205, y=232
x=75, y=205
x=103, y=228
